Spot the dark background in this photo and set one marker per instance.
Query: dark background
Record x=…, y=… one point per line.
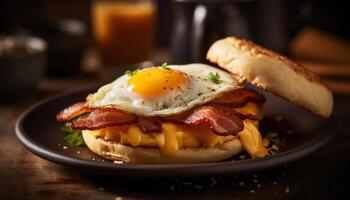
x=328, y=15
x=323, y=175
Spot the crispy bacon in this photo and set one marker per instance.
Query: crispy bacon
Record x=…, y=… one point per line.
x=239, y=97
x=219, y=115
x=149, y=124
x=73, y=111
x=103, y=117
x=221, y=120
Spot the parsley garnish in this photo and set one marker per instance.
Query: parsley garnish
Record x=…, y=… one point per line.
x=215, y=78
x=73, y=137
x=129, y=72
x=165, y=66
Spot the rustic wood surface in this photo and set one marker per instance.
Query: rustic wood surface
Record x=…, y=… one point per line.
x=322, y=175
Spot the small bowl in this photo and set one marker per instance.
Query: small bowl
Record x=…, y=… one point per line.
x=22, y=65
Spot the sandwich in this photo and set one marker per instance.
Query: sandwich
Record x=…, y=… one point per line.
x=193, y=113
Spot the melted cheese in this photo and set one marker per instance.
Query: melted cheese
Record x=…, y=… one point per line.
x=251, y=108
x=174, y=136
x=251, y=139
x=170, y=140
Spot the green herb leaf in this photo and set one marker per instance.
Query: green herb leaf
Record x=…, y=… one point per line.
x=215, y=78
x=73, y=137
x=129, y=72
x=165, y=66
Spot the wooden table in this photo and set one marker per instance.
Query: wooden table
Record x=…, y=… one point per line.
x=323, y=175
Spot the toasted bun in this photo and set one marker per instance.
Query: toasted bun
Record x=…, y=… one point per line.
x=114, y=151
x=272, y=72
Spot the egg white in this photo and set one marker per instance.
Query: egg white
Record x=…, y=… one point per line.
x=198, y=91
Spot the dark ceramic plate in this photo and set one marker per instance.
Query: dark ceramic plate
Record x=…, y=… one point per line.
x=38, y=130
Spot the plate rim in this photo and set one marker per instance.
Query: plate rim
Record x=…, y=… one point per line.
x=166, y=170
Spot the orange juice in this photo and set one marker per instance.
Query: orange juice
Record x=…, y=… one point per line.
x=124, y=30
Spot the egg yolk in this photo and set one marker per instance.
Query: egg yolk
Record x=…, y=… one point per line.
x=156, y=81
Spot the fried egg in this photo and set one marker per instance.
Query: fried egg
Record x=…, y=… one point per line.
x=160, y=91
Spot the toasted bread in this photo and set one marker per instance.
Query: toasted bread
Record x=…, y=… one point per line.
x=272, y=72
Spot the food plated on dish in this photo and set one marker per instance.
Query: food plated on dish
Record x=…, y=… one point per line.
x=193, y=113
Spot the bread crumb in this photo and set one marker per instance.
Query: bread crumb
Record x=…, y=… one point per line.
x=287, y=190
x=213, y=182
x=198, y=187
x=274, y=147
x=278, y=118
x=186, y=183
x=241, y=183
x=64, y=147
x=252, y=191
x=119, y=198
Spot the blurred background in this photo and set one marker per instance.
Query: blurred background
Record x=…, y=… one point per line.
x=56, y=45
x=52, y=46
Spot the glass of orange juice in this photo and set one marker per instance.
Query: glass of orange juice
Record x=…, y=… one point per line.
x=124, y=30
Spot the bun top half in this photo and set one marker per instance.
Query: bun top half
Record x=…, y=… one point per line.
x=272, y=72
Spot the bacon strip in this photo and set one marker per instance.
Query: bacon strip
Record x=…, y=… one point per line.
x=221, y=120
x=103, y=117
x=218, y=115
x=240, y=97
x=149, y=124
x=73, y=111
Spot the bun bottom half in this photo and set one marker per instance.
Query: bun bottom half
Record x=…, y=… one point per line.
x=148, y=155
